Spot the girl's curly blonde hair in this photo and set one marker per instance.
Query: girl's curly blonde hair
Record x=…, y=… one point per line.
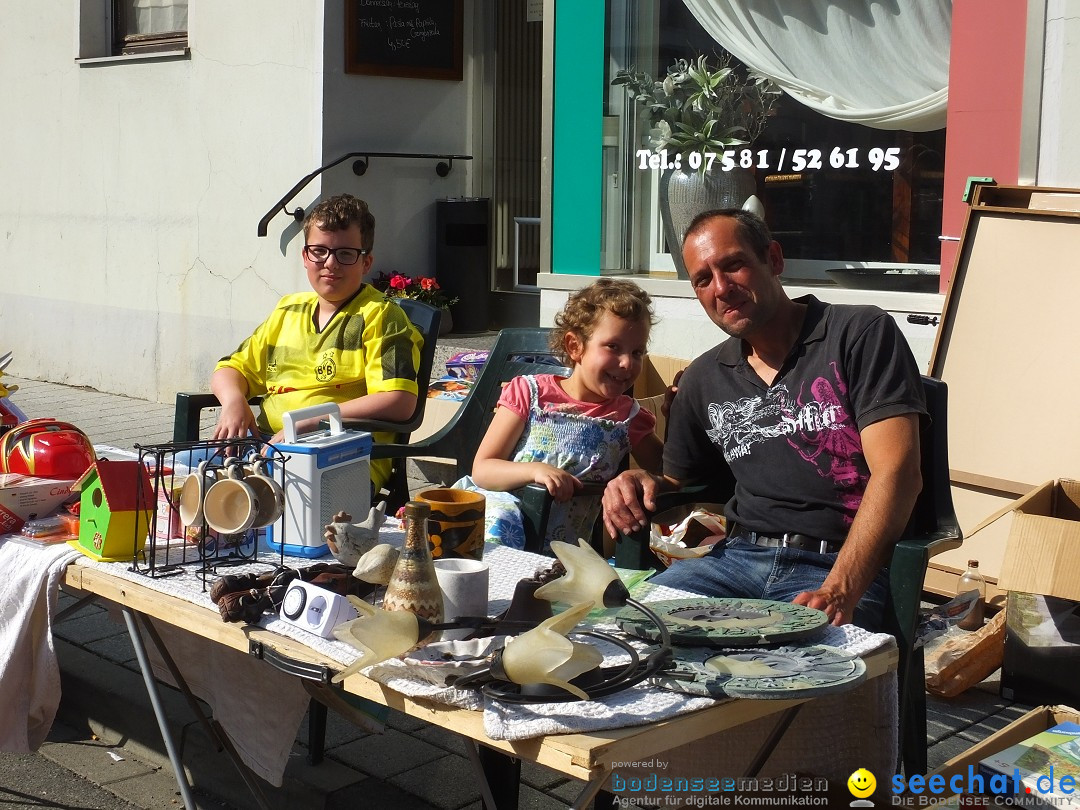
x=585, y=307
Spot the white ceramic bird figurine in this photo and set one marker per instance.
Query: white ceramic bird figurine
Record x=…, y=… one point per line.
x=350, y=541
x=377, y=565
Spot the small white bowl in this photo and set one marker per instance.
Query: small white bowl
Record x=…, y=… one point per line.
x=443, y=662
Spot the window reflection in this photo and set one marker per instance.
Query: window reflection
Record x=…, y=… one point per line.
x=822, y=216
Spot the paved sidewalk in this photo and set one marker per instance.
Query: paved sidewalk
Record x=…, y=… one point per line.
x=410, y=767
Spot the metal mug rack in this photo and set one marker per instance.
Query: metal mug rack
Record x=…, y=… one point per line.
x=172, y=547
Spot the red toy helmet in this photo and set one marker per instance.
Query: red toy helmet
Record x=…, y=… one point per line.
x=46, y=448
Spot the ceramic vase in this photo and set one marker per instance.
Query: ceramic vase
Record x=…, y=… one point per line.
x=456, y=526
x=413, y=585
x=685, y=193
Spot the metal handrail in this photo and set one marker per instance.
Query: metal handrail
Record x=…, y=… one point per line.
x=442, y=168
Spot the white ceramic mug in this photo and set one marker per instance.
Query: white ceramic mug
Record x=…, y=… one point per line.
x=192, y=495
x=464, y=585
x=230, y=505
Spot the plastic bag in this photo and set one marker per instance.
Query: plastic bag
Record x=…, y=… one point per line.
x=694, y=536
x=962, y=659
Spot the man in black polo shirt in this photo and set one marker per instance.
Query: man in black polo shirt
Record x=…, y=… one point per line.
x=813, y=408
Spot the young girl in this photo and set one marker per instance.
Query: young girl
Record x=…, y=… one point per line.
x=561, y=432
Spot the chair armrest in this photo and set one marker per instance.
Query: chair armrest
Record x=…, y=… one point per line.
x=186, y=415
x=377, y=426
x=536, y=504
x=632, y=549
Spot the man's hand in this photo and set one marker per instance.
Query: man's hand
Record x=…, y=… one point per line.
x=559, y=483
x=627, y=498
x=839, y=607
x=670, y=392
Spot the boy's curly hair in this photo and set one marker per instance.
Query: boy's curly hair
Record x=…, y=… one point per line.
x=341, y=212
x=585, y=307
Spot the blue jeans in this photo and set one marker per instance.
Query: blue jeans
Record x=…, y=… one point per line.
x=741, y=569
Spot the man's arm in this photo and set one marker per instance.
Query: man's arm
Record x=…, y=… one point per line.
x=891, y=449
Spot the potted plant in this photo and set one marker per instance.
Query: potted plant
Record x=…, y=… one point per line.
x=697, y=113
x=422, y=288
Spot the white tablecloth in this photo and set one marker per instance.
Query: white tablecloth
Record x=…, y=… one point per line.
x=640, y=705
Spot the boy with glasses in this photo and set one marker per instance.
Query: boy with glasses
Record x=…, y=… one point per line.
x=343, y=342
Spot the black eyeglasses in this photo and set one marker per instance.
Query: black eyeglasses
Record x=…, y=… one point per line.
x=320, y=253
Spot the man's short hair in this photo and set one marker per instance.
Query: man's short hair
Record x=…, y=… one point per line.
x=750, y=228
x=341, y=212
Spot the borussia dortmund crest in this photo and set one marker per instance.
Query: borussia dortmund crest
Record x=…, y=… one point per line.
x=327, y=368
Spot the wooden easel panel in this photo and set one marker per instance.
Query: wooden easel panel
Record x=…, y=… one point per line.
x=1011, y=351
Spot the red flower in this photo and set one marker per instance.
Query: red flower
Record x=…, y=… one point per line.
x=427, y=283
x=399, y=282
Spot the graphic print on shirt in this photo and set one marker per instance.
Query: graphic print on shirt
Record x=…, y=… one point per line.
x=815, y=424
x=836, y=452
x=737, y=426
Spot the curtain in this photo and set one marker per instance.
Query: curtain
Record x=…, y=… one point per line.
x=881, y=63
x=156, y=16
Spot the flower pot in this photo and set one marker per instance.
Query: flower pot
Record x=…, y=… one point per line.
x=686, y=193
x=446, y=323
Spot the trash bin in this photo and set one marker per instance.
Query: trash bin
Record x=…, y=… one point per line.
x=462, y=259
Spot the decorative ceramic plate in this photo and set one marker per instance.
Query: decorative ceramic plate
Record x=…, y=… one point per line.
x=725, y=621
x=794, y=671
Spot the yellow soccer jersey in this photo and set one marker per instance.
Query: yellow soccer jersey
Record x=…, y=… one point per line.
x=368, y=347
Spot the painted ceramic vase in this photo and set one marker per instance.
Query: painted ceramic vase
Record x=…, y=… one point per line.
x=456, y=526
x=413, y=586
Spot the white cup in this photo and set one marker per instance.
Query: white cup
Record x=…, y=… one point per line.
x=230, y=506
x=192, y=495
x=268, y=492
x=464, y=585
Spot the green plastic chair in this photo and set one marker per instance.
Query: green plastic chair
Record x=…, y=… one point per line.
x=516, y=351
x=933, y=528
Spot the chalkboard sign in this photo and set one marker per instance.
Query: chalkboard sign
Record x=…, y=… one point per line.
x=413, y=38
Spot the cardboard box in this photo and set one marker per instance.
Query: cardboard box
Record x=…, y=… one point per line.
x=1044, y=538
x=1040, y=560
x=1047, y=763
x=656, y=376
x=990, y=471
x=466, y=365
x=1042, y=649
x=437, y=414
x=1037, y=720
x=454, y=389
x=23, y=497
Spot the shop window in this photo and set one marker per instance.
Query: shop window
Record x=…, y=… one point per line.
x=862, y=194
x=149, y=26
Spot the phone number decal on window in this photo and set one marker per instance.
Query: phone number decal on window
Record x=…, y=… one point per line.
x=778, y=160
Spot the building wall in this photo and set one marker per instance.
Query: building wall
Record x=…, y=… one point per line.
x=1059, y=159
x=133, y=189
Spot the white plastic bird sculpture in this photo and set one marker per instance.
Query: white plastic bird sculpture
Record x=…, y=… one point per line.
x=377, y=565
x=350, y=541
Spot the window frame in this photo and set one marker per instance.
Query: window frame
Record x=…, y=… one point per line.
x=124, y=44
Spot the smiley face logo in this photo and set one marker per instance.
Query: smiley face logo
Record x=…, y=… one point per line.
x=861, y=783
